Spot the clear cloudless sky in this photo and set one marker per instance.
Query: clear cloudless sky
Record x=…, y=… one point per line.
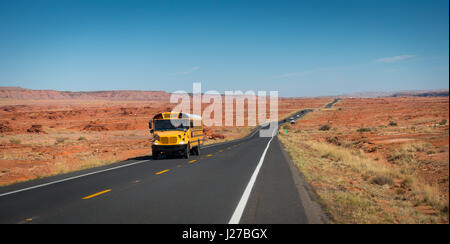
x=300, y=48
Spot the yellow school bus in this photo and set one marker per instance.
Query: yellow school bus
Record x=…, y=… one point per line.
x=176, y=133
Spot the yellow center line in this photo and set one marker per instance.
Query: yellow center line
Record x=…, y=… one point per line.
x=161, y=172
x=96, y=194
x=192, y=161
x=220, y=150
x=209, y=155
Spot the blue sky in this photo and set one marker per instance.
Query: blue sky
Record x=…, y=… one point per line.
x=300, y=48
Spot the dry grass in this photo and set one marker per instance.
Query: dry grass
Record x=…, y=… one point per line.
x=15, y=141
x=355, y=188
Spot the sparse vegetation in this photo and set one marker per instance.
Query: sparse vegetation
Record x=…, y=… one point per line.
x=361, y=130
x=325, y=127
x=368, y=170
x=60, y=140
x=382, y=180
x=392, y=123
x=355, y=188
x=15, y=141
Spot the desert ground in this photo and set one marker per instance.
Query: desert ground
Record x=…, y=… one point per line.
x=55, y=133
x=376, y=160
x=369, y=160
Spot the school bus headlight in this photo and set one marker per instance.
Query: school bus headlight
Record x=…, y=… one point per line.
x=182, y=142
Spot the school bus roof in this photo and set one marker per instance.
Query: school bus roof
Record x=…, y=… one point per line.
x=176, y=115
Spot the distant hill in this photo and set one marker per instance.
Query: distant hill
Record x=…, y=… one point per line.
x=29, y=94
x=422, y=94
x=20, y=93
x=430, y=93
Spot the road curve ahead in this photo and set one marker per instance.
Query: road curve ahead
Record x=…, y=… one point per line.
x=245, y=181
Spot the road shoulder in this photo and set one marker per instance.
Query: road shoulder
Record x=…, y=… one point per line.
x=276, y=198
x=309, y=197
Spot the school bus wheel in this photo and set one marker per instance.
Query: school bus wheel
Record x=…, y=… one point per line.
x=196, y=150
x=187, y=151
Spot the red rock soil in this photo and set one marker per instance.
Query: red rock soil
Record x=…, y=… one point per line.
x=392, y=123
x=44, y=137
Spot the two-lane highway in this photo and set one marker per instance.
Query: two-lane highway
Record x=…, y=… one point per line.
x=244, y=181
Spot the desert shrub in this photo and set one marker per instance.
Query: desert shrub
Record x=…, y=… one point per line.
x=361, y=130
x=36, y=129
x=382, y=180
x=285, y=127
x=443, y=122
x=432, y=196
x=445, y=207
x=61, y=139
x=325, y=127
x=15, y=141
x=82, y=138
x=408, y=182
x=404, y=159
x=417, y=147
x=334, y=140
x=401, y=154
x=392, y=123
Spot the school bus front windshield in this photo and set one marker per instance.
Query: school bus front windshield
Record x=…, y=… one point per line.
x=172, y=124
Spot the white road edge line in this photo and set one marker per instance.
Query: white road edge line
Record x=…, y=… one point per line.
x=236, y=218
x=70, y=178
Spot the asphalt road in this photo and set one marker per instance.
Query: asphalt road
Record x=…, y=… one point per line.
x=245, y=181
x=332, y=103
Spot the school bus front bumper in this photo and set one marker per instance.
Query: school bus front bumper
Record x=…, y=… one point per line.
x=169, y=148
